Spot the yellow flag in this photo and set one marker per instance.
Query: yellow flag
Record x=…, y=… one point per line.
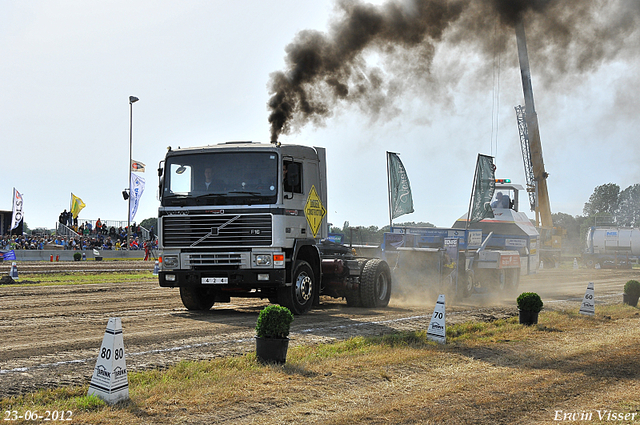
x=76, y=205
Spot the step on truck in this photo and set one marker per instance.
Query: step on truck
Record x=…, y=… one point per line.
x=246, y=219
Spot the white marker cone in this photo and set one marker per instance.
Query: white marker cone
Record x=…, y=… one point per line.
x=156, y=269
x=437, y=329
x=109, y=380
x=588, y=302
x=14, y=271
x=575, y=264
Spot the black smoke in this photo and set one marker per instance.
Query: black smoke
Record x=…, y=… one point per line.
x=324, y=69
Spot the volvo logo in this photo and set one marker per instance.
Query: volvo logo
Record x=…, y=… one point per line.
x=215, y=231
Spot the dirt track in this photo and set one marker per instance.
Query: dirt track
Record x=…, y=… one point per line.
x=51, y=335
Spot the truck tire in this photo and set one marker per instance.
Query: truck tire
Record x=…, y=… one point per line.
x=501, y=280
x=375, y=284
x=197, y=297
x=353, y=295
x=513, y=280
x=299, y=296
x=353, y=298
x=465, y=285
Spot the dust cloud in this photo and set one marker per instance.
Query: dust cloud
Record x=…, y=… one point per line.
x=372, y=54
x=417, y=282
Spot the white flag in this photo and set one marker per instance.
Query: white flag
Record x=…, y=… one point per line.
x=137, y=187
x=17, y=209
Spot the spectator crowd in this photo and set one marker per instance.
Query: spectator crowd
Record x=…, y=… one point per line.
x=89, y=236
x=74, y=243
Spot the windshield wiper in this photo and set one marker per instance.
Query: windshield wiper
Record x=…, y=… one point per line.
x=213, y=195
x=246, y=192
x=175, y=199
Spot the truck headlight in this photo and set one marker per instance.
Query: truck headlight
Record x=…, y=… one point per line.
x=263, y=259
x=170, y=262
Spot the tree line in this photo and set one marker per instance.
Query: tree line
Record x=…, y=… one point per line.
x=363, y=235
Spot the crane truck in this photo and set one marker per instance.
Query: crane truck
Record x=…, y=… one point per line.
x=535, y=174
x=246, y=219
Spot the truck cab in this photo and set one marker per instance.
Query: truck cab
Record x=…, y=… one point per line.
x=506, y=195
x=245, y=219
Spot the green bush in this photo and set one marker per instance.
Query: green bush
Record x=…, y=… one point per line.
x=77, y=256
x=632, y=288
x=529, y=301
x=274, y=322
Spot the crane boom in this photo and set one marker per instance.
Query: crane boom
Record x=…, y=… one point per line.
x=526, y=156
x=542, y=205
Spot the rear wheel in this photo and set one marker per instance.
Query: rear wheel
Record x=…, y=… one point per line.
x=353, y=295
x=501, y=279
x=513, y=279
x=197, y=297
x=299, y=296
x=465, y=285
x=375, y=284
x=353, y=298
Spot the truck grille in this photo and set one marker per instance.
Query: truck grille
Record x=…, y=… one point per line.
x=213, y=259
x=225, y=230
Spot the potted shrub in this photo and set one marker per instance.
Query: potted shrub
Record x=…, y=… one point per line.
x=631, y=293
x=272, y=334
x=77, y=256
x=529, y=305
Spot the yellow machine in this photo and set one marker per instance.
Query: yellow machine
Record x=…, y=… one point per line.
x=550, y=236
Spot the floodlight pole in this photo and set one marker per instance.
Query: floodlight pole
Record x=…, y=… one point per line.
x=132, y=100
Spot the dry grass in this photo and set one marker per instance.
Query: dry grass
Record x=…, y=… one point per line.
x=488, y=373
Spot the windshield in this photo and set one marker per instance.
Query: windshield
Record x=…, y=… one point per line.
x=503, y=198
x=222, y=178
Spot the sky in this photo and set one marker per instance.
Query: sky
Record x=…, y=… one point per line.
x=202, y=70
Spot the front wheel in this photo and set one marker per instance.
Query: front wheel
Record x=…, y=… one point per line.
x=197, y=298
x=299, y=296
x=375, y=284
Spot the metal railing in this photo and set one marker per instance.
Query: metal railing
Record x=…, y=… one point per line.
x=64, y=230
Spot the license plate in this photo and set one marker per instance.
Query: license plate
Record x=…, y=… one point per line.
x=215, y=280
